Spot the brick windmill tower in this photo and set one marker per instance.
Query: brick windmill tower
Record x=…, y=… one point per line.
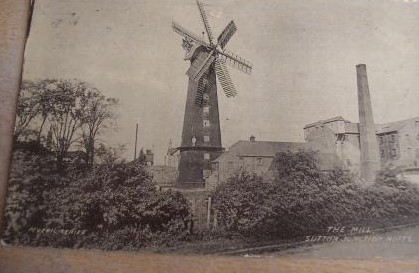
x=201, y=136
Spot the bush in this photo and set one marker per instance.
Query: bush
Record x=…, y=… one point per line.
x=113, y=206
x=31, y=177
x=303, y=200
x=240, y=203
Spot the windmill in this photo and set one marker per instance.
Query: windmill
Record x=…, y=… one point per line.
x=201, y=136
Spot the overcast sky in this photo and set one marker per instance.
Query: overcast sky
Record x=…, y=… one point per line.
x=304, y=55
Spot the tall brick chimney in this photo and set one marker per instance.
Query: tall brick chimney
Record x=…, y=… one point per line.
x=370, y=157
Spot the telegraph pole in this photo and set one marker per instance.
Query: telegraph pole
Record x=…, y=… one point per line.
x=135, y=148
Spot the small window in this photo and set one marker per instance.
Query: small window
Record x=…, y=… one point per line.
x=206, y=123
x=393, y=138
x=259, y=161
x=205, y=96
x=206, y=156
x=383, y=154
x=393, y=153
x=206, y=139
x=381, y=140
x=205, y=109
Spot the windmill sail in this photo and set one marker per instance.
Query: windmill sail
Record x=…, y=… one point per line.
x=237, y=62
x=205, y=54
x=227, y=33
x=199, y=98
x=200, y=65
x=205, y=21
x=187, y=34
x=224, y=78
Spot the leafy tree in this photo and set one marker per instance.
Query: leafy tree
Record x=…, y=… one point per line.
x=98, y=112
x=27, y=108
x=67, y=114
x=33, y=103
x=240, y=202
x=109, y=155
x=74, y=110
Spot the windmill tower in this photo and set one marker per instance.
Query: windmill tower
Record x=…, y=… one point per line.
x=201, y=136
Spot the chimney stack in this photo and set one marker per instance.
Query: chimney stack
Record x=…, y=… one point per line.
x=252, y=138
x=370, y=157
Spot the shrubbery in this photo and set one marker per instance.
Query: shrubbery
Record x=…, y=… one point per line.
x=115, y=205
x=303, y=200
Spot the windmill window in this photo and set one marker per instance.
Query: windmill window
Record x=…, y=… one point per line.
x=393, y=153
x=383, y=153
x=206, y=123
x=206, y=138
x=206, y=109
x=206, y=156
x=381, y=140
x=206, y=96
x=259, y=161
x=393, y=138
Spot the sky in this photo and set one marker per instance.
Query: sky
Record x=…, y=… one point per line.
x=303, y=52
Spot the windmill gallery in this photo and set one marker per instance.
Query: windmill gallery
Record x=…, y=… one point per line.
x=202, y=162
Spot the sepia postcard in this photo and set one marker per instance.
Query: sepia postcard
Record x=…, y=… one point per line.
x=241, y=128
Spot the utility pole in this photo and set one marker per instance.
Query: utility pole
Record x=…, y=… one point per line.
x=136, y=137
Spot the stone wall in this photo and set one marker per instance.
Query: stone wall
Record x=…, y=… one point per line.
x=200, y=204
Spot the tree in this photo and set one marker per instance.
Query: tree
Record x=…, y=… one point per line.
x=33, y=103
x=240, y=203
x=27, y=108
x=68, y=108
x=109, y=155
x=73, y=110
x=98, y=112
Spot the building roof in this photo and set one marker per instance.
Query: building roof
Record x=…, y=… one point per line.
x=338, y=118
x=394, y=126
x=353, y=127
x=260, y=148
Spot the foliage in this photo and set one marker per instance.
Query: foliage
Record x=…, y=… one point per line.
x=98, y=111
x=27, y=191
x=391, y=197
x=114, y=206
x=30, y=105
x=73, y=110
x=108, y=155
x=67, y=114
x=240, y=202
x=303, y=200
